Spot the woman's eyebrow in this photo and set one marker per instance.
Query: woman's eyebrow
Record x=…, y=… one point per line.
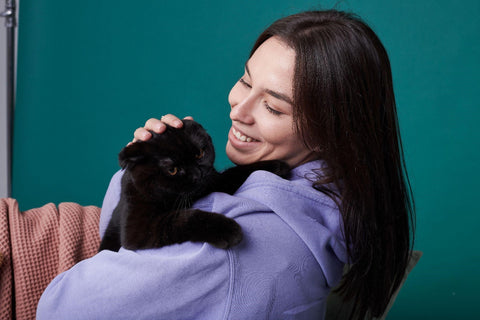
x=273, y=93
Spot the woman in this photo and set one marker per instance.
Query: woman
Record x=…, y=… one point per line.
x=317, y=93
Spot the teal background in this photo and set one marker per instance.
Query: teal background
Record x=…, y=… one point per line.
x=90, y=72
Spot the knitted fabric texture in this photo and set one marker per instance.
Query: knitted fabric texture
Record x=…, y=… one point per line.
x=38, y=244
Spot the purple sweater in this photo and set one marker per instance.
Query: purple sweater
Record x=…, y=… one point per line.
x=291, y=255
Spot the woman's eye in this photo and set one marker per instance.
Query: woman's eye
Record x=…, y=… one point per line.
x=172, y=171
x=200, y=154
x=242, y=81
x=271, y=110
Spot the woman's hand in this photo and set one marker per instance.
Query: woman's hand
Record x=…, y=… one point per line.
x=157, y=126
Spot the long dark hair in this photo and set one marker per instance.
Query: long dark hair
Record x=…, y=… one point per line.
x=344, y=110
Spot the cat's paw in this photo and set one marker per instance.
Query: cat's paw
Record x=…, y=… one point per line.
x=214, y=228
x=227, y=233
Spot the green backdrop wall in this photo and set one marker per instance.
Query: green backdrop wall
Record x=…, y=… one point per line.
x=91, y=72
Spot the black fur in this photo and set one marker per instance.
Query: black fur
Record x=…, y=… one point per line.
x=163, y=177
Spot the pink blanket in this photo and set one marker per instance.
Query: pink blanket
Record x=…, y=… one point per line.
x=38, y=244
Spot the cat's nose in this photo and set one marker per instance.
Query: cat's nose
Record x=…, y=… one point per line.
x=197, y=175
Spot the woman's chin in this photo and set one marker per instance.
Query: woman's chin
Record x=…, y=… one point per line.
x=235, y=156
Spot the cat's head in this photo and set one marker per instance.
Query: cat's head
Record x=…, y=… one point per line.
x=176, y=161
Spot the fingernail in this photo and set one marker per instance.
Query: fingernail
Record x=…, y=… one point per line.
x=147, y=135
x=158, y=128
x=177, y=123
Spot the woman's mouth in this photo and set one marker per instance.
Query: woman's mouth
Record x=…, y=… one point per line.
x=240, y=136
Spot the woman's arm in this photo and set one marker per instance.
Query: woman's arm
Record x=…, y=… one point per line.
x=110, y=201
x=171, y=282
x=187, y=281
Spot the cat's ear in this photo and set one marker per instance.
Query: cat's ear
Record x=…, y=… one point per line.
x=131, y=154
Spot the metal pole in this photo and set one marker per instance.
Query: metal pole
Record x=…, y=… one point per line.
x=10, y=22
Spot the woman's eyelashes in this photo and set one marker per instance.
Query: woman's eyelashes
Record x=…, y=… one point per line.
x=271, y=110
x=246, y=84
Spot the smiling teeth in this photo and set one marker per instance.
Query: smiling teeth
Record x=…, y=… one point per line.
x=240, y=136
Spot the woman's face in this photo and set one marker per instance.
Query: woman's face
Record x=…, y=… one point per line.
x=262, y=110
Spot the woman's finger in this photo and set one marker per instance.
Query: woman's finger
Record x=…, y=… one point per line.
x=155, y=125
x=141, y=134
x=172, y=120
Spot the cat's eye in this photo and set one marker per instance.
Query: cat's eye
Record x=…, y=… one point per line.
x=200, y=154
x=172, y=171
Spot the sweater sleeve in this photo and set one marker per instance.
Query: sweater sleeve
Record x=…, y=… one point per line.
x=172, y=282
x=186, y=281
x=110, y=201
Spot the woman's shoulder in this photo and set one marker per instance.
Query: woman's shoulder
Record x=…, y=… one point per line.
x=292, y=250
x=269, y=207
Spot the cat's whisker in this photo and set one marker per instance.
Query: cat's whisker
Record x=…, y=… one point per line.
x=187, y=202
x=183, y=202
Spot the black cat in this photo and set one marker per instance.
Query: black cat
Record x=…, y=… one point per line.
x=163, y=177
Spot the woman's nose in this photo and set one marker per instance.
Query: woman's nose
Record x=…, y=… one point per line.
x=242, y=104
